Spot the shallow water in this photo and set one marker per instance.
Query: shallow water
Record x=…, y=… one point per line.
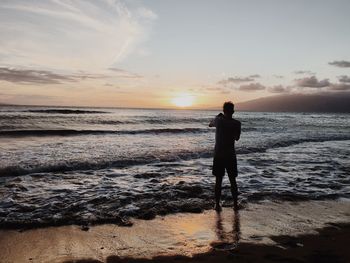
x=80, y=165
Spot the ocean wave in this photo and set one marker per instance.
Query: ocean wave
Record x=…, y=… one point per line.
x=157, y=120
x=66, y=111
x=286, y=143
x=67, y=132
x=175, y=120
x=99, y=120
x=149, y=159
x=92, y=165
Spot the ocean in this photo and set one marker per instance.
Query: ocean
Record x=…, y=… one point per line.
x=96, y=165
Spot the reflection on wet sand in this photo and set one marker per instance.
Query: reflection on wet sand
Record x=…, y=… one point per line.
x=227, y=238
x=256, y=228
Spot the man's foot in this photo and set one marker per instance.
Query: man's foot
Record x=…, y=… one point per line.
x=217, y=208
x=237, y=206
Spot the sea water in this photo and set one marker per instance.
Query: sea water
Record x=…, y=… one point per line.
x=93, y=165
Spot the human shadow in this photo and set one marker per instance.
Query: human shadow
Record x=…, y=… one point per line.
x=328, y=245
x=227, y=239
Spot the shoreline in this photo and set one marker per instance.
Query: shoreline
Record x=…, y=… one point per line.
x=304, y=248
x=276, y=228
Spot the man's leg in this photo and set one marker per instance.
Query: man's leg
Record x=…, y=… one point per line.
x=234, y=190
x=219, y=172
x=232, y=174
x=218, y=183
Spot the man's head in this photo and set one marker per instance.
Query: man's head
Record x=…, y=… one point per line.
x=228, y=108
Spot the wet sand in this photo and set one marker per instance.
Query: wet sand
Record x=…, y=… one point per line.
x=315, y=231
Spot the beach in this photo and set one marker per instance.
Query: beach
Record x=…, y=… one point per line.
x=313, y=231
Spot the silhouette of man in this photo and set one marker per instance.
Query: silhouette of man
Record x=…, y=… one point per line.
x=228, y=130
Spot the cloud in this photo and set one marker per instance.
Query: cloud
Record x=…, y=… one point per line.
x=278, y=76
x=220, y=90
x=340, y=63
x=255, y=76
x=125, y=74
x=84, y=75
x=344, y=79
x=312, y=82
x=251, y=87
x=147, y=13
x=279, y=89
x=214, y=88
x=27, y=99
x=78, y=35
x=301, y=72
x=340, y=86
x=232, y=80
x=31, y=76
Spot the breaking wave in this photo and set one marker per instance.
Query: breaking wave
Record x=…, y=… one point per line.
x=66, y=132
x=152, y=158
x=66, y=111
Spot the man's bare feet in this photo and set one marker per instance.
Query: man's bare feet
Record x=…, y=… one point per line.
x=238, y=206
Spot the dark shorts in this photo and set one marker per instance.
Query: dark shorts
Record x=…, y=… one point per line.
x=228, y=163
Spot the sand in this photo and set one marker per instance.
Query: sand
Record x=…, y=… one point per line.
x=314, y=231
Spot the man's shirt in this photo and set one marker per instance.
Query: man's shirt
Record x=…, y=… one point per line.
x=227, y=132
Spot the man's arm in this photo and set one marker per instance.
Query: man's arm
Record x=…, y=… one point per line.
x=238, y=131
x=213, y=122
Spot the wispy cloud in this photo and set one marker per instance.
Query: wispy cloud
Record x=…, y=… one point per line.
x=31, y=76
x=302, y=72
x=340, y=63
x=344, y=79
x=216, y=89
x=255, y=76
x=24, y=99
x=232, y=80
x=344, y=84
x=77, y=35
x=312, y=82
x=279, y=89
x=340, y=86
x=122, y=73
x=252, y=87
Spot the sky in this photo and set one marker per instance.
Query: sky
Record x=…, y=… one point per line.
x=163, y=53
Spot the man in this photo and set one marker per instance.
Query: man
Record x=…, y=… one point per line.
x=228, y=130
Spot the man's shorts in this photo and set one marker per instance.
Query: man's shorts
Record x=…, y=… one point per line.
x=222, y=163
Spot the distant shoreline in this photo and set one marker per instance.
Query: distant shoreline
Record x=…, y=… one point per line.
x=167, y=109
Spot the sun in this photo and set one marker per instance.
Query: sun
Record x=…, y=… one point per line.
x=183, y=100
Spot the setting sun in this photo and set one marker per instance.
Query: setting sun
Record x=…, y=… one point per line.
x=183, y=100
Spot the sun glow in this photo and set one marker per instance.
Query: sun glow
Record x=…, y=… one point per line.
x=183, y=100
